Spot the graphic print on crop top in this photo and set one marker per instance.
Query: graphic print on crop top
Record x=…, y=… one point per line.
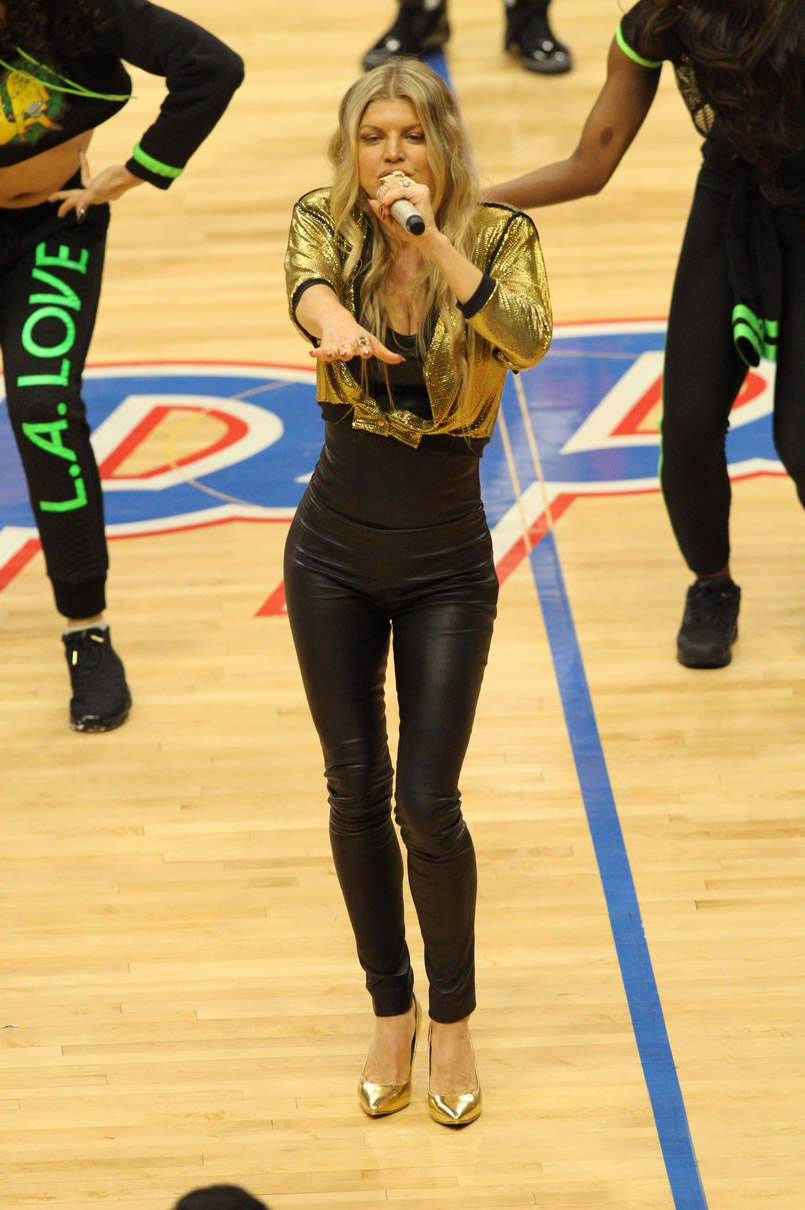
x=29, y=106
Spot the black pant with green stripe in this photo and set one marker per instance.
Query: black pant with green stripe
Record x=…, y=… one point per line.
x=50, y=281
x=703, y=375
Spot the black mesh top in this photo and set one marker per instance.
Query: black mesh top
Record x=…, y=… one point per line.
x=652, y=53
x=669, y=45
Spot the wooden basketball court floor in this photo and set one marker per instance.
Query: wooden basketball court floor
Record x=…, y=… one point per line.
x=181, y=1001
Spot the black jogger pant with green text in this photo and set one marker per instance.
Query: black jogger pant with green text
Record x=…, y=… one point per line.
x=50, y=281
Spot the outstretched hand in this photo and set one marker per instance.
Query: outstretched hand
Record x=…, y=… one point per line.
x=344, y=340
x=109, y=185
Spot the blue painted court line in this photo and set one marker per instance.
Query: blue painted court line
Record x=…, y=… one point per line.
x=439, y=64
x=639, y=983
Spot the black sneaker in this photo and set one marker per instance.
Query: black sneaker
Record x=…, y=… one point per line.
x=416, y=31
x=710, y=624
x=101, y=698
x=530, y=39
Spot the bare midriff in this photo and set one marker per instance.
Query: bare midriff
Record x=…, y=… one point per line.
x=33, y=181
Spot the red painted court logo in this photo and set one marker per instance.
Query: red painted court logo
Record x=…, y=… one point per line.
x=185, y=446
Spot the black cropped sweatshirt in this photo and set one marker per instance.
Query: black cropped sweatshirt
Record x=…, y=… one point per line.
x=42, y=106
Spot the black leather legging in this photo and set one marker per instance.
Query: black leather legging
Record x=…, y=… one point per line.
x=433, y=590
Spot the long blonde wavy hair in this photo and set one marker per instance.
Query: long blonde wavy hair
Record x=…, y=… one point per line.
x=454, y=198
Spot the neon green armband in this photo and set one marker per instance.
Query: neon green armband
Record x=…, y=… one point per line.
x=148, y=161
x=632, y=54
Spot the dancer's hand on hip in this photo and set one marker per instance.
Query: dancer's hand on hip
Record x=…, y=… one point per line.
x=109, y=185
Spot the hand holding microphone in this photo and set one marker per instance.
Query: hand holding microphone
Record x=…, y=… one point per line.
x=403, y=211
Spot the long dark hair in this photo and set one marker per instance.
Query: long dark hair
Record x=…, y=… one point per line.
x=52, y=31
x=749, y=60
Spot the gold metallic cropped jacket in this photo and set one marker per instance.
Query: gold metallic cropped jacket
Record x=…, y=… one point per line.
x=514, y=322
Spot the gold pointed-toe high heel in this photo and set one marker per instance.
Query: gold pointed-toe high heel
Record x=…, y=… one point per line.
x=377, y=1100
x=456, y=1109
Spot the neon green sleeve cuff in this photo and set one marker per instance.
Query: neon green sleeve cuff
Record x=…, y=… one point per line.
x=148, y=161
x=632, y=54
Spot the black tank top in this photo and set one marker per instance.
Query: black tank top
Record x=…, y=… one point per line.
x=382, y=482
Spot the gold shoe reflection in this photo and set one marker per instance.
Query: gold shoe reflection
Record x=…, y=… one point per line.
x=380, y=1099
x=458, y=1109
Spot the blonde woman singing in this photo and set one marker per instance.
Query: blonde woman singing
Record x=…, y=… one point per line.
x=413, y=336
